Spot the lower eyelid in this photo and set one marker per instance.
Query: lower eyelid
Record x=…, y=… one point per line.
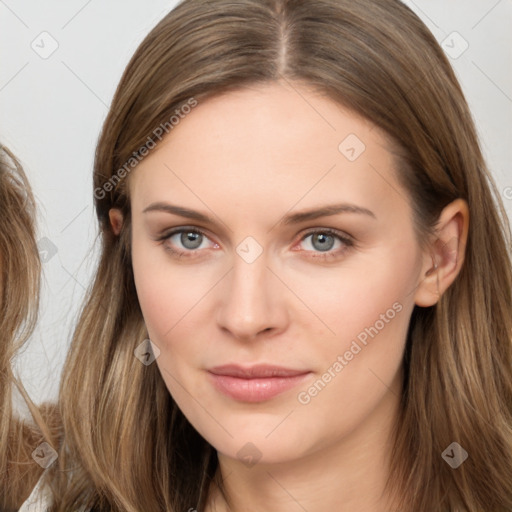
x=331, y=254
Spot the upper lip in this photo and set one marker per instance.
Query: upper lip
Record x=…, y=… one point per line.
x=256, y=371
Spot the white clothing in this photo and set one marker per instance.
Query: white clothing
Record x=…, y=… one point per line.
x=38, y=501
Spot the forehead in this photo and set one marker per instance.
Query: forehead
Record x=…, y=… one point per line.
x=277, y=145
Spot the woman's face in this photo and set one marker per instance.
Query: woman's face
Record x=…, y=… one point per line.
x=272, y=238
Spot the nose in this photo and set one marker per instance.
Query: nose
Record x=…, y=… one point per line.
x=252, y=300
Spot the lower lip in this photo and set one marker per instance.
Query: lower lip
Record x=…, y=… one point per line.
x=255, y=390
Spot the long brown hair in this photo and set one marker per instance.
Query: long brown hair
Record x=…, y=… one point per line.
x=20, y=269
x=127, y=446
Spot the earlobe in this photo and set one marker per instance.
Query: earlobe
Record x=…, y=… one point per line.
x=116, y=220
x=443, y=262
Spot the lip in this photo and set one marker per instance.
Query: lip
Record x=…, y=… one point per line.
x=255, y=383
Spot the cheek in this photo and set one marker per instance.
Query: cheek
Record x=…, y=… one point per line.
x=165, y=297
x=370, y=297
x=367, y=310
x=172, y=297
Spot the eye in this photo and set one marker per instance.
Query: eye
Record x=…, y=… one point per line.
x=322, y=241
x=184, y=242
x=188, y=241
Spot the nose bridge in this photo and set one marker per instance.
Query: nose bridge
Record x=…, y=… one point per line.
x=251, y=299
x=249, y=283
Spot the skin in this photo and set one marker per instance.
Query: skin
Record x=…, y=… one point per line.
x=247, y=159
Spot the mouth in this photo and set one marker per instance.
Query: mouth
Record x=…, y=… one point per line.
x=256, y=383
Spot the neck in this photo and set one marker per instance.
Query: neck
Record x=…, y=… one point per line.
x=349, y=476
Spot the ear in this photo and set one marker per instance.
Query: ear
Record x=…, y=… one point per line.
x=116, y=220
x=444, y=258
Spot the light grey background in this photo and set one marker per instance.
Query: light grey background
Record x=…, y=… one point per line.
x=52, y=108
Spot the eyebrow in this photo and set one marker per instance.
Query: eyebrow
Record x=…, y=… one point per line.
x=293, y=218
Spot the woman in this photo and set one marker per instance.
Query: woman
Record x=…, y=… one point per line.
x=304, y=293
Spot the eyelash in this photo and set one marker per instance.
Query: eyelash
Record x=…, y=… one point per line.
x=325, y=256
